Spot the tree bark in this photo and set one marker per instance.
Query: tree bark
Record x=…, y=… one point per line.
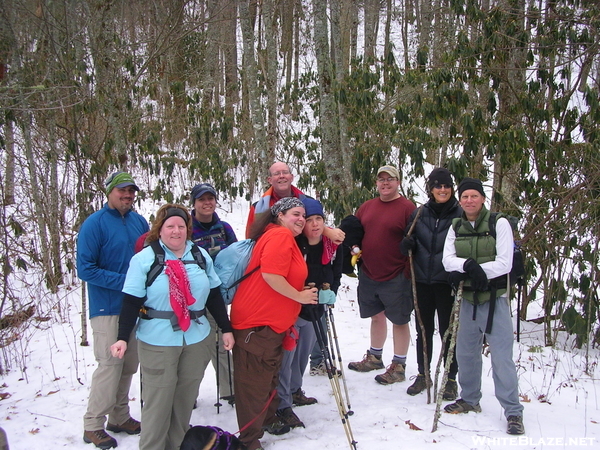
x=371, y=28
x=259, y=148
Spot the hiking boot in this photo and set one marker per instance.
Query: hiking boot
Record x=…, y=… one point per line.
x=418, y=386
x=369, y=362
x=99, y=438
x=277, y=428
x=299, y=399
x=451, y=390
x=515, y=425
x=229, y=399
x=130, y=426
x=289, y=418
x=393, y=374
x=460, y=406
x=321, y=369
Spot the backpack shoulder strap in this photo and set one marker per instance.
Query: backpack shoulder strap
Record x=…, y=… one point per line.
x=456, y=224
x=159, y=262
x=198, y=257
x=492, y=223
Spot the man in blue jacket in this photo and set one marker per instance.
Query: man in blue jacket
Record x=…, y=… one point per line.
x=104, y=247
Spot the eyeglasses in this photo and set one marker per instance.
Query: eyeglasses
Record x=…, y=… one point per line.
x=442, y=186
x=281, y=172
x=386, y=180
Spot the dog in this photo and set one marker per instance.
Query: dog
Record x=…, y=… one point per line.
x=210, y=438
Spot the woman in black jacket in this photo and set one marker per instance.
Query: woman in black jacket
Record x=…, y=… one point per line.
x=433, y=289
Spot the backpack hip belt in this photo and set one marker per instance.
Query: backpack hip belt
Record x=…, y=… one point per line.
x=149, y=313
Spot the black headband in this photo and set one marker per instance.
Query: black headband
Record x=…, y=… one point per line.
x=171, y=212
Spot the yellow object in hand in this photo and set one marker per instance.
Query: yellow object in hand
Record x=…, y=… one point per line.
x=355, y=258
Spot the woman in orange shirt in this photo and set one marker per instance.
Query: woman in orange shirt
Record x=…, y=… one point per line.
x=266, y=305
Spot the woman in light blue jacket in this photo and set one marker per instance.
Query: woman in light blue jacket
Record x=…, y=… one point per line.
x=172, y=325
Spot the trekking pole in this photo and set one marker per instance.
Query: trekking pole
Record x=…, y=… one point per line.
x=454, y=327
x=519, y=290
x=230, y=400
x=329, y=339
x=418, y=310
x=218, y=404
x=333, y=379
x=141, y=398
x=341, y=365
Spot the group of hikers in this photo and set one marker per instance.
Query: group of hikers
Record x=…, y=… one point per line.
x=155, y=301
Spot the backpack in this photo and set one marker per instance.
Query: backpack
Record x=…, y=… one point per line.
x=213, y=242
x=517, y=271
x=516, y=274
x=231, y=264
x=159, y=261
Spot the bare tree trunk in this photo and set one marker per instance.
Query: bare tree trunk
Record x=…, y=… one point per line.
x=230, y=56
x=371, y=27
x=387, y=52
x=405, y=27
x=84, y=314
x=38, y=201
x=271, y=76
x=288, y=17
x=353, y=8
x=8, y=180
x=297, y=42
x=109, y=84
x=328, y=111
x=340, y=30
x=259, y=149
x=53, y=213
x=424, y=30
x=211, y=62
x=512, y=80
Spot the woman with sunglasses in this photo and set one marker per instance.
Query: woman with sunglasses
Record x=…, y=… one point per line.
x=434, y=293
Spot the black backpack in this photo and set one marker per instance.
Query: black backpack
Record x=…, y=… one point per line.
x=517, y=271
x=159, y=261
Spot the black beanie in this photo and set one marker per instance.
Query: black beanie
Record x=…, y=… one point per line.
x=439, y=176
x=470, y=183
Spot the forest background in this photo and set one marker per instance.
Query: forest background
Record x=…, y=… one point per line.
x=182, y=91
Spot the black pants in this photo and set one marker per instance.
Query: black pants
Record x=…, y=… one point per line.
x=432, y=298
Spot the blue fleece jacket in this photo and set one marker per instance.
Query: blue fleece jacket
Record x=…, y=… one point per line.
x=104, y=248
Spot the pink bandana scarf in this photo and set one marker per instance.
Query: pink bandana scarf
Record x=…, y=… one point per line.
x=329, y=249
x=180, y=294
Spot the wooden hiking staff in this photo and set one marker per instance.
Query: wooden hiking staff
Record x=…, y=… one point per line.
x=417, y=311
x=454, y=327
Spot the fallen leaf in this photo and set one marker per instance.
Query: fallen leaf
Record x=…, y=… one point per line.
x=52, y=392
x=412, y=426
x=4, y=395
x=34, y=431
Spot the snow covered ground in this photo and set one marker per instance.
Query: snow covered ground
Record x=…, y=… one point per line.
x=562, y=408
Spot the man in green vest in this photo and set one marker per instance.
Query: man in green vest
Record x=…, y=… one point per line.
x=474, y=255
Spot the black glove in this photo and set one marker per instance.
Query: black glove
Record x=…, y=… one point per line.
x=408, y=243
x=454, y=278
x=479, y=281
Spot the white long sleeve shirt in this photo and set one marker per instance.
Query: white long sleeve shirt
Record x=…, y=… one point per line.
x=504, y=252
